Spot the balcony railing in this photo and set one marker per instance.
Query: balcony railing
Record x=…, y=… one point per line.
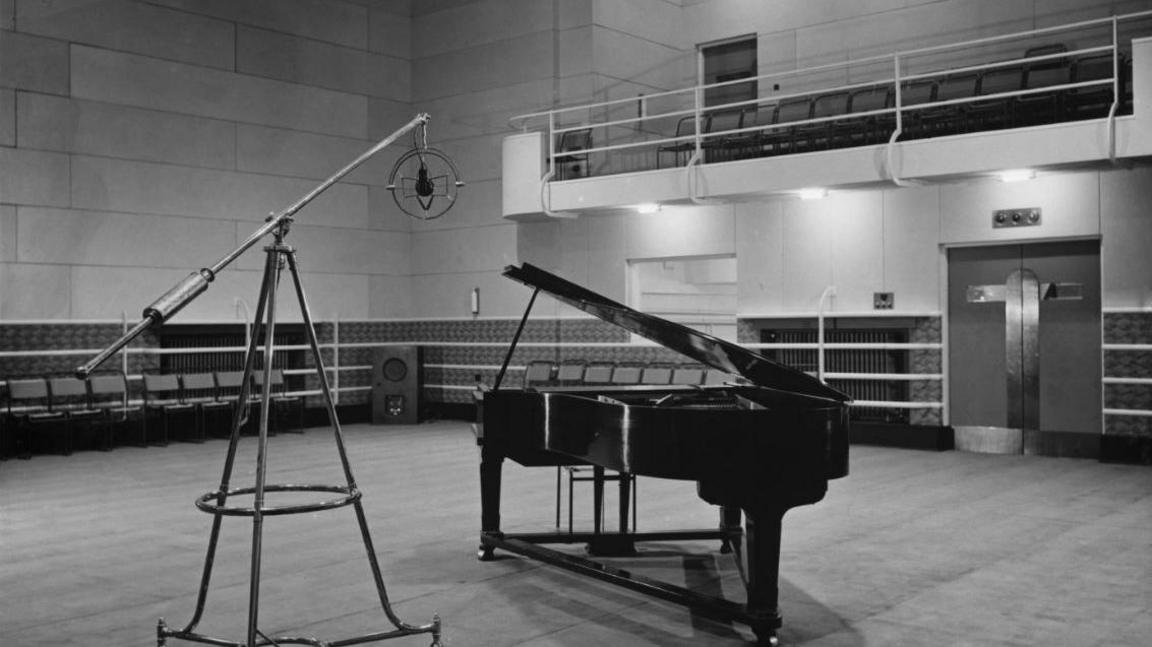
x=1064, y=73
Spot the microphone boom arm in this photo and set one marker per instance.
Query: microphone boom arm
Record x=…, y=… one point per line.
x=194, y=284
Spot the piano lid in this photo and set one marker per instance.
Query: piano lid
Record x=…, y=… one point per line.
x=703, y=348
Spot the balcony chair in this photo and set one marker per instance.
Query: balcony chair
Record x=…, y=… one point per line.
x=996, y=113
x=571, y=154
x=867, y=129
x=935, y=120
x=781, y=139
x=720, y=147
x=686, y=127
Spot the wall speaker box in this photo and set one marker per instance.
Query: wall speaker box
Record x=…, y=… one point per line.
x=397, y=383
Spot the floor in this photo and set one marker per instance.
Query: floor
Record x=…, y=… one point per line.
x=912, y=548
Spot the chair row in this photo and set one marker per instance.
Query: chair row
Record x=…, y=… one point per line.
x=103, y=404
x=858, y=117
x=580, y=373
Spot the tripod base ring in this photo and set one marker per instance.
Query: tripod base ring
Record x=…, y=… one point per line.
x=213, y=502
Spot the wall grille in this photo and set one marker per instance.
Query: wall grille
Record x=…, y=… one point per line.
x=861, y=360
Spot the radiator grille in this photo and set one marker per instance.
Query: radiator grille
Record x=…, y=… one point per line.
x=863, y=360
x=224, y=336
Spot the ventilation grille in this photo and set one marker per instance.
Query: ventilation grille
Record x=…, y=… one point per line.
x=863, y=360
x=222, y=336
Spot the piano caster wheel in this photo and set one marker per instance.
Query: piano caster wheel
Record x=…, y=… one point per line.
x=486, y=553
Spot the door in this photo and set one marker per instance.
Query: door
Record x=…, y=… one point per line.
x=1024, y=337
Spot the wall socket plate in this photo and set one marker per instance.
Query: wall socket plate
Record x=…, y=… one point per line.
x=883, y=300
x=1028, y=217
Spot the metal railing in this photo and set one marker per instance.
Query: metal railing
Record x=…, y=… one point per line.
x=633, y=132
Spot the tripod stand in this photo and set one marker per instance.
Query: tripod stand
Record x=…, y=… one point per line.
x=280, y=254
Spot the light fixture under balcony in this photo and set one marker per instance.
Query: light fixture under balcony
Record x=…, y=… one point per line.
x=1017, y=175
x=812, y=193
x=648, y=207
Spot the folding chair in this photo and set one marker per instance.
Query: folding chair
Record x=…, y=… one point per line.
x=538, y=372
x=162, y=398
x=689, y=375
x=280, y=402
x=70, y=396
x=570, y=373
x=201, y=392
x=656, y=375
x=29, y=406
x=109, y=393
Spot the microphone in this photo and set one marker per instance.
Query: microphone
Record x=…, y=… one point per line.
x=421, y=176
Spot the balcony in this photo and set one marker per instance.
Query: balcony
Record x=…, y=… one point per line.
x=1065, y=97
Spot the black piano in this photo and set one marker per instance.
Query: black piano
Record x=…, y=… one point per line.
x=763, y=443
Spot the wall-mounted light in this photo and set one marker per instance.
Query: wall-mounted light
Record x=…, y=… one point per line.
x=1017, y=175
x=475, y=301
x=648, y=207
x=812, y=193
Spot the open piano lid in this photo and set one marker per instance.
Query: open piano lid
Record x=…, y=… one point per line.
x=706, y=349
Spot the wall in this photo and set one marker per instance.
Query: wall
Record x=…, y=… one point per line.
x=140, y=141
x=889, y=240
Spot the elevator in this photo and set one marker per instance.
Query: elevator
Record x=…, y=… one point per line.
x=1024, y=344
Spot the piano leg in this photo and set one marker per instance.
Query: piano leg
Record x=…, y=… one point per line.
x=763, y=537
x=491, y=468
x=625, y=499
x=729, y=520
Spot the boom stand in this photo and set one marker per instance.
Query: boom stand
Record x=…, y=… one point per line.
x=216, y=503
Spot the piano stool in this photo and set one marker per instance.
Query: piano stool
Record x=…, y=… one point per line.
x=597, y=476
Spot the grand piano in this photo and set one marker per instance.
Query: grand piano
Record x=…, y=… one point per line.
x=764, y=442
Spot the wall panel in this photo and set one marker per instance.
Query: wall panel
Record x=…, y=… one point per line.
x=7, y=233
x=1070, y=203
x=33, y=177
x=76, y=126
x=479, y=249
x=390, y=31
x=519, y=59
x=102, y=238
x=911, y=248
x=148, y=83
x=278, y=151
x=476, y=24
x=138, y=187
x=1126, y=228
x=136, y=27
x=33, y=63
x=7, y=117
x=299, y=60
x=342, y=23
x=35, y=292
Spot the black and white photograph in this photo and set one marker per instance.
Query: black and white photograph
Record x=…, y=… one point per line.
x=568, y=323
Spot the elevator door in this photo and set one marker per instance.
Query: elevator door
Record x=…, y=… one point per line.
x=1024, y=336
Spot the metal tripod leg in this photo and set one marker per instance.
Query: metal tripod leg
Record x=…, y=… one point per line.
x=266, y=311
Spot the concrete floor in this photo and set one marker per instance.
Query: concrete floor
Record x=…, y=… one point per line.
x=912, y=548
